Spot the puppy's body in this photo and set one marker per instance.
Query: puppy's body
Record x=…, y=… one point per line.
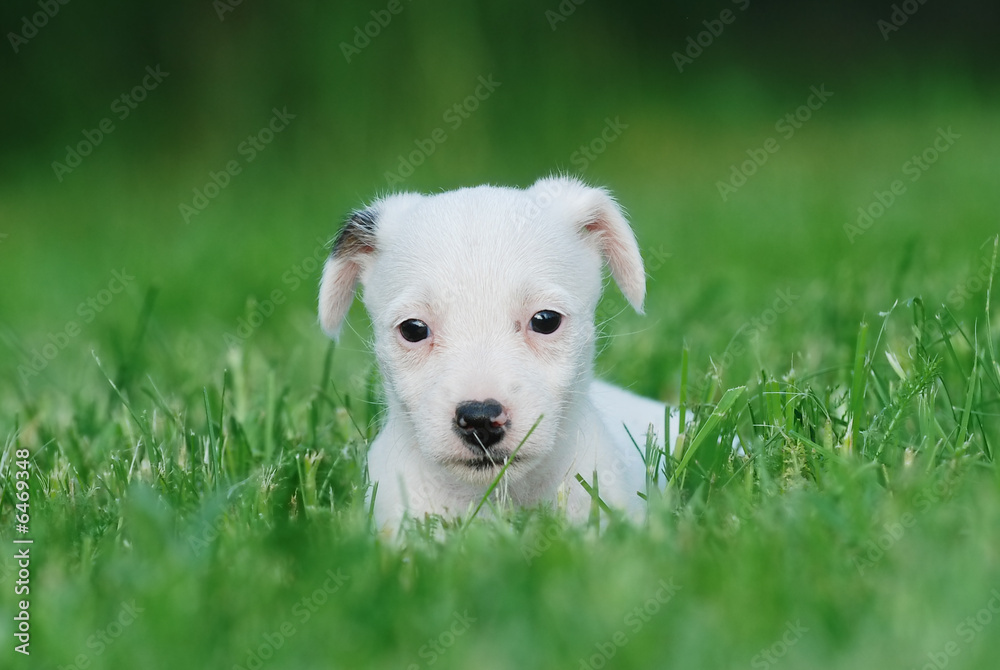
x=482, y=303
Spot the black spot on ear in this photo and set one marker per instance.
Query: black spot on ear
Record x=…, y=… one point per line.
x=357, y=235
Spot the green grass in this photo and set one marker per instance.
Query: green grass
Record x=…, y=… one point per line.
x=198, y=502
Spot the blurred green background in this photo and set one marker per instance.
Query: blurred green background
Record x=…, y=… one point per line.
x=101, y=260
x=563, y=70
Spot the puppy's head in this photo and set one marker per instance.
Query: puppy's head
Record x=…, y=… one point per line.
x=482, y=302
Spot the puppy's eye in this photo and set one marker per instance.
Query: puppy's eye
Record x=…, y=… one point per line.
x=546, y=322
x=414, y=330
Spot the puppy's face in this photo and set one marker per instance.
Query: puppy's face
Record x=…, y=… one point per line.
x=482, y=302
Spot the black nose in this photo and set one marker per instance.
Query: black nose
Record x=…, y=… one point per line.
x=480, y=423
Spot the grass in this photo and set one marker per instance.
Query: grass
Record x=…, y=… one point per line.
x=197, y=500
x=829, y=545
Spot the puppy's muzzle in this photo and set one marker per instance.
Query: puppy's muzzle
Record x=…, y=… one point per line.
x=480, y=423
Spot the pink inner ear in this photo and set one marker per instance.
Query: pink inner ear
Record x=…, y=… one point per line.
x=617, y=243
x=342, y=269
x=340, y=277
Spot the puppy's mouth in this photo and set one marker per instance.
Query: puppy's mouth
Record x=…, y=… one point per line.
x=486, y=462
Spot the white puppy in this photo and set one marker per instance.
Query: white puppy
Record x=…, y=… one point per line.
x=482, y=303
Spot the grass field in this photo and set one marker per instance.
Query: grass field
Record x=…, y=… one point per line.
x=193, y=448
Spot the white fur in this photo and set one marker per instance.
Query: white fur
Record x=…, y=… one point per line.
x=474, y=265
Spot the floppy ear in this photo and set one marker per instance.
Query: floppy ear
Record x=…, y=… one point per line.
x=354, y=244
x=599, y=218
x=353, y=249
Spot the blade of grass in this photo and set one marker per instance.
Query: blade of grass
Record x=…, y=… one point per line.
x=125, y=370
x=857, y=404
x=989, y=295
x=212, y=438
x=596, y=504
x=682, y=405
x=503, y=470
x=143, y=427
x=729, y=399
x=970, y=394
